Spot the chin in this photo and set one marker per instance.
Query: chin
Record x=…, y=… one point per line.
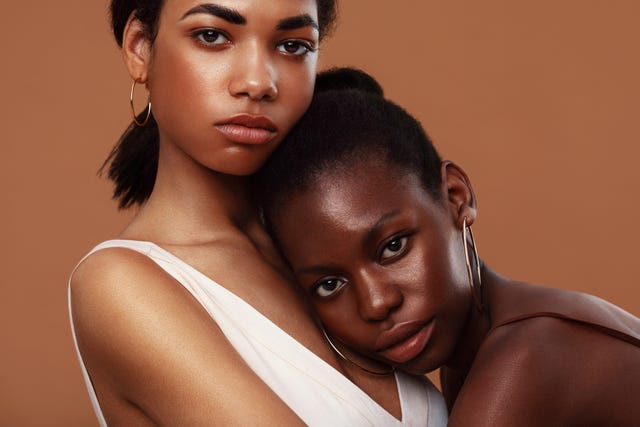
x=418, y=368
x=424, y=363
x=241, y=166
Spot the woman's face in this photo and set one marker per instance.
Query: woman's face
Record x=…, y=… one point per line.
x=228, y=79
x=382, y=262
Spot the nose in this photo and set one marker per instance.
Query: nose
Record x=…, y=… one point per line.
x=378, y=297
x=255, y=75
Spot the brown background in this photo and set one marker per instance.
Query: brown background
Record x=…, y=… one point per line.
x=539, y=101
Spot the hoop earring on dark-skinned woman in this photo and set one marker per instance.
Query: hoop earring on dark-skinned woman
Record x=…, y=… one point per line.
x=133, y=110
x=353, y=362
x=477, y=297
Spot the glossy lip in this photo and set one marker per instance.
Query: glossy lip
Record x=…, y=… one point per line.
x=404, y=341
x=247, y=129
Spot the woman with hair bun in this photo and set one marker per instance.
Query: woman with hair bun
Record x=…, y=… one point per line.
x=189, y=317
x=377, y=229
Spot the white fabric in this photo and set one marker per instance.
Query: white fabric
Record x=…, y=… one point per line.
x=316, y=392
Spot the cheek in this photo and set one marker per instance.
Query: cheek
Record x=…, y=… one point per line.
x=340, y=318
x=453, y=294
x=295, y=89
x=432, y=275
x=182, y=85
x=456, y=261
x=421, y=273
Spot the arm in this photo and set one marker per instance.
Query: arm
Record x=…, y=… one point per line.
x=156, y=356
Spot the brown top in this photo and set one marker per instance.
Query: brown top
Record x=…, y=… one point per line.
x=630, y=336
x=584, y=309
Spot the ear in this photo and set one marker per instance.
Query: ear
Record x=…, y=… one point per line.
x=459, y=194
x=136, y=49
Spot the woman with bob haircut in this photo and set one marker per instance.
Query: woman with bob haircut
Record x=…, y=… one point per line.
x=190, y=317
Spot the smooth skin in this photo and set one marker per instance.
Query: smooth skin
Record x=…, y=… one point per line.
x=375, y=251
x=154, y=355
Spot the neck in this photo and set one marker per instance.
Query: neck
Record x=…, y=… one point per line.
x=191, y=204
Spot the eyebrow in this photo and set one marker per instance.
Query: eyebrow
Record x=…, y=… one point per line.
x=295, y=22
x=229, y=15
x=373, y=231
x=314, y=269
x=234, y=17
x=368, y=237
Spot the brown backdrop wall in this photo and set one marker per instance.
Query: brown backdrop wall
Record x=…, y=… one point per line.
x=538, y=101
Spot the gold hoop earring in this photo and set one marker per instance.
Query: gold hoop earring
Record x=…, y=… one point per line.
x=133, y=110
x=476, y=299
x=353, y=362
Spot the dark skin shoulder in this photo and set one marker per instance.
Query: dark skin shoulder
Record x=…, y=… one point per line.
x=544, y=371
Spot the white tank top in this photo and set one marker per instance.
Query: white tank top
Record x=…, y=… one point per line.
x=312, y=388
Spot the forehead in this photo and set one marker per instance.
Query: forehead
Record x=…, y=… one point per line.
x=353, y=198
x=252, y=10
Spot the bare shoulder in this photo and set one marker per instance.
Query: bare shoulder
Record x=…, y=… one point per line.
x=114, y=289
x=153, y=353
x=112, y=271
x=548, y=371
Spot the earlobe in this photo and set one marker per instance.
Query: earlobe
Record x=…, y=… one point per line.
x=136, y=49
x=459, y=194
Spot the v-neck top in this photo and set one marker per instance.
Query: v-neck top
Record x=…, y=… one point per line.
x=313, y=389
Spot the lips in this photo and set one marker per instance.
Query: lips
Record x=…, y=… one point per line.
x=405, y=340
x=247, y=129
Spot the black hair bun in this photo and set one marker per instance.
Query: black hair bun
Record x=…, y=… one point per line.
x=346, y=78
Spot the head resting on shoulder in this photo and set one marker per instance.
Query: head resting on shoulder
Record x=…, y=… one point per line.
x=348, y=120
x=372, y=224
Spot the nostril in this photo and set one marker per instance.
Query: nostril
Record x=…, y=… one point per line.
x=257, y=92
x=379, y=304
x=268, y=94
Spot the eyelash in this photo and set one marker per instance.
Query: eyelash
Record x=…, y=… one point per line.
x=316, y=289
x=199, y=34
x=403, y=238
x=307, y=46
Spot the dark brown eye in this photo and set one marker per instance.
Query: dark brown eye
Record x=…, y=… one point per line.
x=211, y=37
x=295, y=47
x=393, y=248
x=327, y=287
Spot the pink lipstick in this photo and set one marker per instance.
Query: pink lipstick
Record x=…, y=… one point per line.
x=247, y=129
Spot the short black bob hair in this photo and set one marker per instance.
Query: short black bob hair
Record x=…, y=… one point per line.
x=348, y=119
